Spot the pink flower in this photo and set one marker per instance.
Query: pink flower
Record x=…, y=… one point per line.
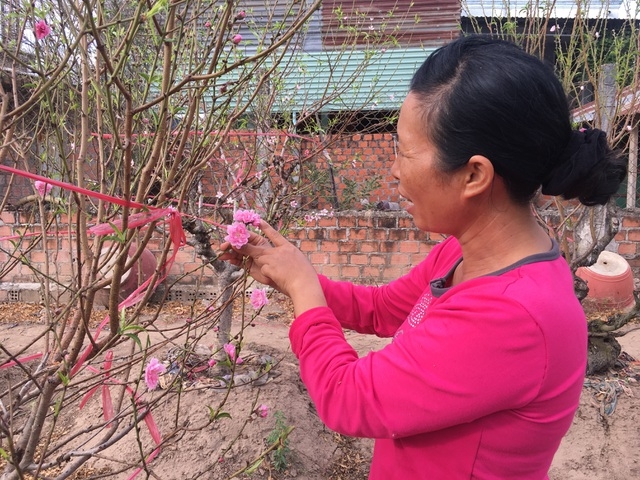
x=553, y=28
x=207, y=24
x=237, y=235
x=212, y=362
x=237, y=38
x=230, y=349
x=239, y=361
x=152, y=373
x=259, y=298
x=42, y=29
x=240, y=15
x=248, y=217
x=42, y=188
x=262, y=411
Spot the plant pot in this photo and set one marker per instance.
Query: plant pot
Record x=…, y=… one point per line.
x=140, y=271
x=610, y=282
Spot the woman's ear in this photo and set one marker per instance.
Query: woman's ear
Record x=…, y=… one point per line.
x=479, y=176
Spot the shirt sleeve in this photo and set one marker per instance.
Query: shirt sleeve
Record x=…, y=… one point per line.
x=370, y=309
x=381, y=310
x=471, y=356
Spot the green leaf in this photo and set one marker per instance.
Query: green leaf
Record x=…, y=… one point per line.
x=135, y=338
x=213, y=415
x=63, y=378
x=157, y=7
x=4, y=454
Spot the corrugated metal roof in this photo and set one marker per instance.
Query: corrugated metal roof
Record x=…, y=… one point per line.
x=620, y=9
x=627, y=100
x=344, y=80
x=380, y=85
x=312, y=72
x=428, y=23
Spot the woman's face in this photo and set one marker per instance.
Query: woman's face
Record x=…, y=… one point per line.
x=433, y=195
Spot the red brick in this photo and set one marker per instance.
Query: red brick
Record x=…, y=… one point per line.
x=300, y=234
x=331, y=271
x=337, y=233
x=377, y=259
x=633, y=235
x=349, y=271
x=621, y=236
x=436, y=237
x=346, y=221
x=415, y=234
x=326, y=222
x=357, y=234
x=400, y=259
x=38, y=257
x=627, y=248
x=309, y=246
x=316, y=233
x=358, y=259
x=378, y=234
x=410, y=247
x=327, y=246
x=365, y=222
x=338, y=258
x=631, y=222
x=368, y=247
x=398, y=234
x=347, y=246
x=391, y=273
x=319, y=258
x=372, y=272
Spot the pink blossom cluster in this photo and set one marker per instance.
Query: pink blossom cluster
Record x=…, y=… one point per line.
x=262, y=411
x=152, y=373
x=237, y=233
x=42, y=29
x=230, y=350
x=319, y=214
x=248, y=217
x=259, y=298
x=42, y=188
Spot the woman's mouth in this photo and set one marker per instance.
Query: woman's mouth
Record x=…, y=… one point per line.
x=405, y=203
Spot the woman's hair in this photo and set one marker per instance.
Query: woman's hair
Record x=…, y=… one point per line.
x=488, y=97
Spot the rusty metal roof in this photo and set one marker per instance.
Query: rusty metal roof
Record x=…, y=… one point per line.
x=427, y=23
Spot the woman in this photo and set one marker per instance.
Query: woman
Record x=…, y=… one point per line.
x=485, y=369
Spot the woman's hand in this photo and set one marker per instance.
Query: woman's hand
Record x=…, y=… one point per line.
x=276, y=262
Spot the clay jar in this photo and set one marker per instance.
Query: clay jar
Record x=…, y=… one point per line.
x=610, y=282
x=141, y=270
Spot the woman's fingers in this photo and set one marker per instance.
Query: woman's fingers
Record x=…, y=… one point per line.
x=272, y=234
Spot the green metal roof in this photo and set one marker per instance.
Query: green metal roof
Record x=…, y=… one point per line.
x=351, y=80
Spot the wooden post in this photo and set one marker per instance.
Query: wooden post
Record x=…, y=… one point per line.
x=632, y=174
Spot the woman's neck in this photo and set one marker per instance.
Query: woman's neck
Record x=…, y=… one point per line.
x=498, y=240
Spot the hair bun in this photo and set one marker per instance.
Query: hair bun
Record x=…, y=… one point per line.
x=588, y=169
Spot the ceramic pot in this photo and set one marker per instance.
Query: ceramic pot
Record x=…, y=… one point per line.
x=610, y=282
x=140, y=271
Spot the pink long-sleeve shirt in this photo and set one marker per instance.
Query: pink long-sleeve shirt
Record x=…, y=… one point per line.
x=481, y=380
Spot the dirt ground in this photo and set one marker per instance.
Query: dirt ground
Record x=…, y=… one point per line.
x=603, y=443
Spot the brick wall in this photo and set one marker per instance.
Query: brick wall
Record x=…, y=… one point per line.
x=360, y=158
x=366, y=247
